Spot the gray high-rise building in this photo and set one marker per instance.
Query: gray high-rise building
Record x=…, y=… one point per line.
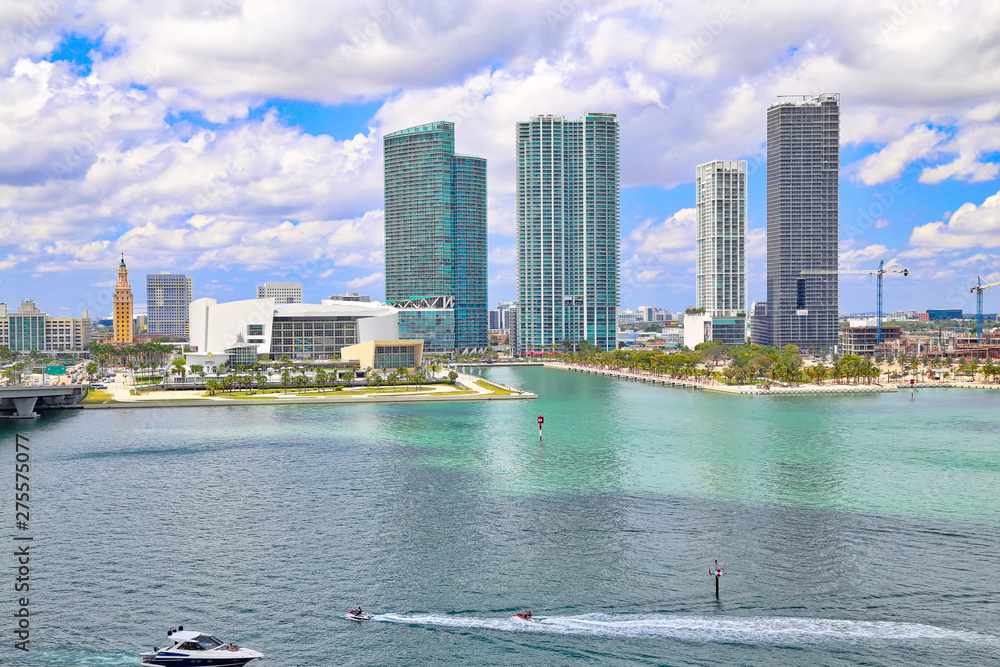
x=803, y=170
x=567, y=231
x=435, y=238
x=168, y=296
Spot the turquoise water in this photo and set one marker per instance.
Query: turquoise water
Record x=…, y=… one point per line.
x=854, y=529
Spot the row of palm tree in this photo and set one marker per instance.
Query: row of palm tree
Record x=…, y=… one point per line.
x=151, y=355
x=740, y=364
x=250, y=380
x=744, y=364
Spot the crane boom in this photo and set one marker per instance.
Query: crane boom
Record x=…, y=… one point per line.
x=978, y=289
x=878, y=273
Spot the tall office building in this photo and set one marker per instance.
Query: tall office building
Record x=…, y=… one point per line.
x=567, y=231
x=435, y=238
x=803, y=169
x=168, y=296
x=281, y=292
x=720, y=246
x=122, y=322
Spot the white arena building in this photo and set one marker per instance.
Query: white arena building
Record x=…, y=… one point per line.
x=258, y=328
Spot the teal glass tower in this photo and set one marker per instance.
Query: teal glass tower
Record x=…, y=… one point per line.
x=435, y=238
x=567, y=231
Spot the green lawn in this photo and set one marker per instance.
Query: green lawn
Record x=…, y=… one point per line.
x=497, y=391
x=98, y=396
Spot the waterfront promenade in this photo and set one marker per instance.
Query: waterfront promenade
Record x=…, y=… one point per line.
x=714, y=385
x=764, y=389
x=467, y=388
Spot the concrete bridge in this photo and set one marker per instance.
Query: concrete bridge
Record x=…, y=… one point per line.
x=21, y=402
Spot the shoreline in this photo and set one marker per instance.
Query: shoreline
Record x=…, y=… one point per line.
x=749, y=390
x=299, y=400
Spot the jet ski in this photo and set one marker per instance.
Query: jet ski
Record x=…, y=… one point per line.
x=358, y=615
x=525, y=616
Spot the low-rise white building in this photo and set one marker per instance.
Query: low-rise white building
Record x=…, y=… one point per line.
x=297, y=330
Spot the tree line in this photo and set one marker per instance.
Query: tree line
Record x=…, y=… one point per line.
x=751, y=363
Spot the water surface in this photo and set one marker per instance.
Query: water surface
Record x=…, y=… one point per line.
x=854, y=529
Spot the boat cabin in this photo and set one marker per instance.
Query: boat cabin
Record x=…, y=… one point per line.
x=194, y=641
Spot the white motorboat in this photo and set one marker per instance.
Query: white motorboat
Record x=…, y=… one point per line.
x=197, y=649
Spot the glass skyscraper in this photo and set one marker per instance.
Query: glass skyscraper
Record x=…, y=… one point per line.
x=803, y=171
x=435, y=238
x=567, y=231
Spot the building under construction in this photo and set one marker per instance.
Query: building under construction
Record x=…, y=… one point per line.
x=862, y=340
x=966, y=346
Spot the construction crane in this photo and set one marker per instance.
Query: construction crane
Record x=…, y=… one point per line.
x=878, y=273
x=978, y=289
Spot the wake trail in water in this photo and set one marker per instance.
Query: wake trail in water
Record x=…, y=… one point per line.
x=750, y=630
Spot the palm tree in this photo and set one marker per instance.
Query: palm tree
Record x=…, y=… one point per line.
x=321, y=378
x=286, y=379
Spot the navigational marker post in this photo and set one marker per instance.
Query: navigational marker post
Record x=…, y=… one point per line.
x=541, y=420
x=717, y=573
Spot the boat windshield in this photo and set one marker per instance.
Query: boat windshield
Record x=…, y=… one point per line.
x=207, y=642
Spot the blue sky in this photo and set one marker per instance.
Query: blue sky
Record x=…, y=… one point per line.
x=239, y=141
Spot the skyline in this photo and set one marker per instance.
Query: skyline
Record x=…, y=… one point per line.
x=162, y=134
